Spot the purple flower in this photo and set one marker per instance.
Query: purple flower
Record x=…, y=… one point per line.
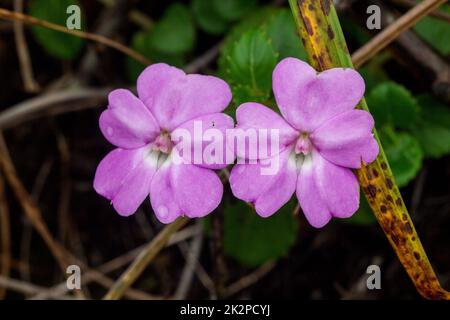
x=142, y=130
x=321, y=138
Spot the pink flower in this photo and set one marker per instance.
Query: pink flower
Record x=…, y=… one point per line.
x=142, y=130
x=322, y=137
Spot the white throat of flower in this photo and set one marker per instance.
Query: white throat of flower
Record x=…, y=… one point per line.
x=159, y=150
x=302, y=155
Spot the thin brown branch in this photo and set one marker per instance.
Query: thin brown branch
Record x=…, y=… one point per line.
x=200, y=272
x=384, y=38
x=249, y=279
x=24, y=287
x=26, y=68
x=411, y=3
x=135, y=16
x=51, y=103
x=30, y=207
x=14, y=16
x=118, y=262
x=192, y=255
x=144, y=258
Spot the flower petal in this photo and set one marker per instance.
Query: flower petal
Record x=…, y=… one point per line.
x=347, y=139
x=255, y=117
x=174, y=97
x=325, y=190
x=202, y=141
x=306, y=100
x=114, y=169
x=162, y=195
x=269, y=191
x=313, y=205
x=198, y=191
x=124, y=177
x=135, y=188
x=127, y=123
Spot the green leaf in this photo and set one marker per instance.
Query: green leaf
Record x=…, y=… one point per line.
x=254, y=20
x=58, y=44
x=140, y=43
x=404, y=154
x=174, y=33
x=231, y=10
x=249, y=67
x=169, y=40
x=435, y=31
x=208, y=18
x=282, y=32
x=253, y=240
x=392, y=104
x=433, y=129
x=364, y=216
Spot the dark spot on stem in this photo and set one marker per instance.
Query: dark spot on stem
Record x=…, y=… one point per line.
x=389, y=198
x=321, y=61
x=308, y=26
x=304, y=42
x=372, y=190
x=404, y=217
x=383, y=209
x=375, y=173
x=394, y=239
x=398, y=202
x=326, y=5
x=330, y=33
x=311, y=7
x=383, y=165
x=389, y=183
x=416, y=255
x=408, y=228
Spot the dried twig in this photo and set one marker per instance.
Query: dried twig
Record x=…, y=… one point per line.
x=24, y=287
x=117, y=263
x=26, y=68
x=220, y=270
x=139, y=18
x=410, y=50
x=110, y=20
x=50, y=103
x=144, y=258
x=411, y=3
x=190, y=266
x=202, y=275
x=384, y=38
x=14, y=16
x=30, y=208
x=249, y=279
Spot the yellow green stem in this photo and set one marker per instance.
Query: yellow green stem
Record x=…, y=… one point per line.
x=324, y=41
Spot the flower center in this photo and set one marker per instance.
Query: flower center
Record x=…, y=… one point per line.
x=303, y=144
x=163, y=143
